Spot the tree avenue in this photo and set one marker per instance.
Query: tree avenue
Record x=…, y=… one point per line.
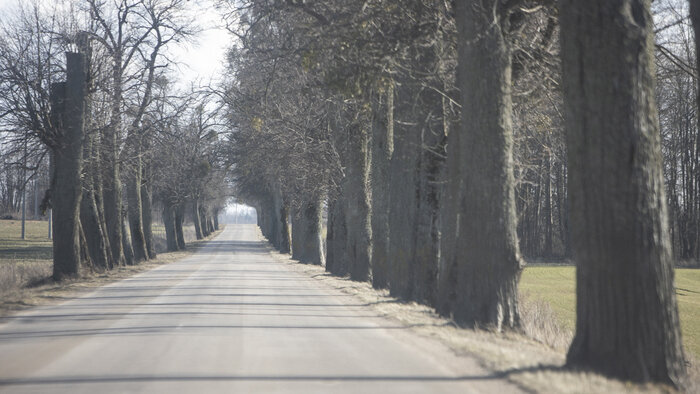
x=110, y=119
x=430, y=148
x=438, y=155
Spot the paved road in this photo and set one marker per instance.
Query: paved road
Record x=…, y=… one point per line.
x=231, y=319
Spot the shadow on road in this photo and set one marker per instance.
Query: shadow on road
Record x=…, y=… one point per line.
x=233, y=378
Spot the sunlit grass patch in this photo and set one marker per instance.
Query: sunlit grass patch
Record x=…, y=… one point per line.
x=556, y=285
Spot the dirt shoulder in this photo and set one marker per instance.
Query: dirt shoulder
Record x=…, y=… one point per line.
x=48, y=291
x=531, y=365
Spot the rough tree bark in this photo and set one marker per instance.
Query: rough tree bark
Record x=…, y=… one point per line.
x=627, y=319
x=203, y=221
x=112, y=189
x=488, y=260
x=135, y=208
x=382, y=148
x=196, y=219
x=280, y=236
x=95, y=237
x=403, y=189
x=426, y=235
x=336, y=245
x=695, y=20
x=307, y=245
x=126, y=239
x=449, y=214
x=68, y=106
x=169, y=223
x=179, y=220
x=356, y=191
x=147, y=200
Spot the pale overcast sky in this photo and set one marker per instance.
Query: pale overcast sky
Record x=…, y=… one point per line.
x=200, y=61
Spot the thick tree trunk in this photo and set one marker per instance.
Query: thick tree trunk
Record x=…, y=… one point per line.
x=68, y=100
x=285, y=240
x=382, y=148
x=280, y=236
x=627, y=320
x=430, y=189
x=169, y=224
x=135, y=210
x=695, y=20
x=196, y=219
x=403, y=189
x=203, y=221
x=216, y=220
x=307, y=245
x=336, y=245
x=179, y=220
x=112, y=190
x=357, y=199
x=488, y=261
x=95, y=237
x=147, y=200
x=449, y=213
x=298, y=233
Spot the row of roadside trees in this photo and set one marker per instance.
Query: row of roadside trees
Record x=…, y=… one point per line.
x=421, y=146
x=86, y=89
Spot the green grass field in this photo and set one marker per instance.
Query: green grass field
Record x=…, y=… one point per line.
x=556, y=285
x=36, y=246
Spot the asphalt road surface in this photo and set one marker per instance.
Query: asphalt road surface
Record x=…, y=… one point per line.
x=230, y=319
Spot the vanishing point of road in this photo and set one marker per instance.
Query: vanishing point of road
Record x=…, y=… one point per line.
x=230, y=318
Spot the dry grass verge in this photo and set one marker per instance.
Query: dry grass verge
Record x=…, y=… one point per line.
x=532, y=360
x=27, y=284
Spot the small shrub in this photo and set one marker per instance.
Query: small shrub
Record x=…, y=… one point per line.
x=15, y=275
x=540, y=323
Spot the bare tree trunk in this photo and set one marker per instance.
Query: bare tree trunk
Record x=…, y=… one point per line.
x=179, y=219
x=135, y=209
x=169, y=224
x=280, y=236
x=147, y=200
x=196, y=219
x=307, y=245
x=695, y=20
x=112, y=190
x=356, y=190
x=627, y=318
x=449, y=213
x=90, y=219
x=336, y=245
x=126, y=240
x=488, y=262
x=430, y=178
x=382, y=148
x=284, y=236
x=403, y=189
x=68, y=100
x=203, y=221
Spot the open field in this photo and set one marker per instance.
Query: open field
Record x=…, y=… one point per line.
x=36, y=246
x=23, y=261
x=26, y=266
x=556, y=285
